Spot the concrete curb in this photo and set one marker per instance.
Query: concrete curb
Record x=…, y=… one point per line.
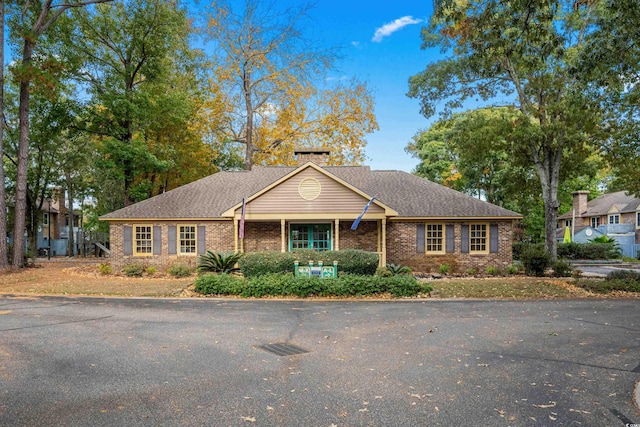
x=636, y=395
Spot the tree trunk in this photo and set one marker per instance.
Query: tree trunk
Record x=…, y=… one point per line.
x=548, y=168
x=71, y=242
x=31, y=225
x=4, y=260
x=23, y=157
x=248, y=158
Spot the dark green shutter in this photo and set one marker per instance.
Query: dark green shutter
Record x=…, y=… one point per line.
x=493, y=238
x=464, y=238
x=420, y=238
x=127, y=240
x=451, y=238
x=202, y=242
x=157, y=240
x=171, y=240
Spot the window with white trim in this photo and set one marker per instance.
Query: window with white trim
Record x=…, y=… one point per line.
x=434, y=238
x=187, y=240
x=614, y=219
x=478, y=238
x=568, y=222
x=595, y=222
x=143, y=240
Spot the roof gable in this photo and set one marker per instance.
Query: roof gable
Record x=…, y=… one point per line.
x=309, y=188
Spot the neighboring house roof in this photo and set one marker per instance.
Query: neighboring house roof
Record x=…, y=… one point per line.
x=620, y=200
x=408, y=195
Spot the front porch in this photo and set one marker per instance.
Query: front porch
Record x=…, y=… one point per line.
x=286, y=235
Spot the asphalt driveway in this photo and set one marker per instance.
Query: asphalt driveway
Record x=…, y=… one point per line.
x=106, y=362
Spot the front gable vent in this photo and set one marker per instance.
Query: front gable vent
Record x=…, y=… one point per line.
x=309, y=188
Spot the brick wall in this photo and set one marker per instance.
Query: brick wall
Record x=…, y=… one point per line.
x=265, y=236
x=365, y=237
x=218, y=235
x=261, y=236
x=401, y=249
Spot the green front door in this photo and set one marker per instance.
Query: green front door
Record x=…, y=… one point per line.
x=310, y=236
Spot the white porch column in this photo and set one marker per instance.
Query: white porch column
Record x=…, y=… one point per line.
x=283, y=236
x=235, y=235
x=336, y=239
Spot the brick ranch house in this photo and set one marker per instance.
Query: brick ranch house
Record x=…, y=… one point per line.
x=411, y=221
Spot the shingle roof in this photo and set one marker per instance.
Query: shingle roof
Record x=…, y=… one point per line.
x=409, y=195
x=623, y=201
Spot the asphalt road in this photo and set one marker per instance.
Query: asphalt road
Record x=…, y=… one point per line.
x=195, y=362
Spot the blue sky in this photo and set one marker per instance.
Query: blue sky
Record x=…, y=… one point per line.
x=381, y=45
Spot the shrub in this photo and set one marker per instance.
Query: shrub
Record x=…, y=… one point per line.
x=471, y=271
x=350, y=261
x=383, y=272
x=259, y=263
x=517, y=248
x=592, y=250
x=628, y=276
x=179, y=270
x=493, y=271
x=621, y=280
x=444, y=269
x=218, y=262
x=512, y=269
x=220, y=284
x=151, y=270
x=398, y=269
x=535, y=260
x=562, y=268
x=105, y=268
x=288, y=285
x=133, y=270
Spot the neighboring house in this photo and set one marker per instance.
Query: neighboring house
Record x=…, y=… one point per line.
x=54, y=223
x=57, y=222
x=411, y=221
x=615, y=215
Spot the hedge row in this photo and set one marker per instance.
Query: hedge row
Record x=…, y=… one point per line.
x=350, y=261
x=588, y=251
x=288, y=285
x=622, y=280
x=571, y=250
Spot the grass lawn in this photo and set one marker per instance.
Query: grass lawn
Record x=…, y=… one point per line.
x=81, y=277
x=508, y=287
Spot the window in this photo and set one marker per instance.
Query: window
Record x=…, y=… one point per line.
x=434, y=242
x=614, y=219
x=310, y=236
x=187, y=240
x=45, y=219
x=143, y=240
x=638, y=219
x=478, y=238
x=595, y=222
x=567, y=222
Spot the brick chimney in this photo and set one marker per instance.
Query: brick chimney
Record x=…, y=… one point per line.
x=58, y=199
x=580, y=201
x=319, y=156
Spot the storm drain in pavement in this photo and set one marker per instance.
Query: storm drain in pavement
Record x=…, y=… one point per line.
x=283, y=349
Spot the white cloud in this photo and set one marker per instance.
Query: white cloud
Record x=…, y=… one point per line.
x=334, y=79
x=392, y=27
x=355, y=44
